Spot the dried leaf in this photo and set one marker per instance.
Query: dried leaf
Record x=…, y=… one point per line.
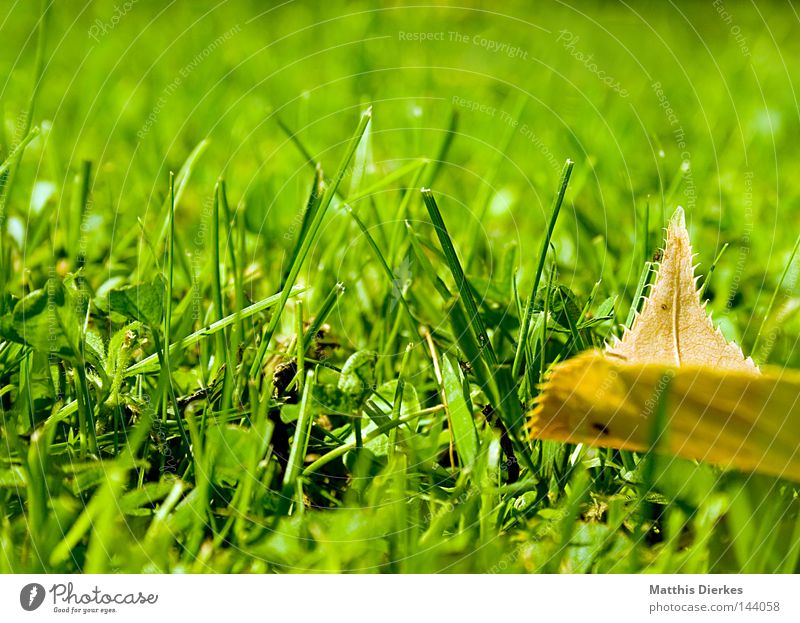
x=719, y=407
x=673, y=327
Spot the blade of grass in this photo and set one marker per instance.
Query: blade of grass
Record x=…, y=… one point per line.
x=312, y=205
x=165, y=354
x=412, y=167
x=78, y=205
x=646, y=232
x=454, y=264
x=223, y=200
x=182, y=180
x=384, y=264
x=401, y=216
x=474, y=321
x=500, y=385
x=427, y=267
x=526, y=321
x=432, y=172
x=573, y=327
x=398, y=398
x=324, y=311
x=149, y=364
x=301, y=347
x=774, y=297
x=216, y=263
x=644, y=280
x=9, y=162
x=711, y=270
x=294, y=466
x=298, y=260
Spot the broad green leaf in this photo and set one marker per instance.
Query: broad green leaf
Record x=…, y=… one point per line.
x=143, y=302
x=49, y=320
x=231, y=447
x=36, y=389
x=95, y=348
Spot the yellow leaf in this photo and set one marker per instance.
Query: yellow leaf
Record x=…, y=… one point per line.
x=718, y=406
x=735, y=419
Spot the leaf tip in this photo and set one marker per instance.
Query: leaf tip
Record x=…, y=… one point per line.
x=678, y=218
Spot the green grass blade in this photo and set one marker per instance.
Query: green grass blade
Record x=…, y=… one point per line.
x=312, y=206
x=392, y=278
x=298, y=260
x=768, y=312
x=166, y=363
x=454, y=264
x=17, y=152
x=432, y=172
x=644, y=280
x=150, y=364
x=711, y=270
x=526, y=321
x=294, y=466
x=182, y=180
x=501, y=385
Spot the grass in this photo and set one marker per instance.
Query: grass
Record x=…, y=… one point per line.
x=237, y=336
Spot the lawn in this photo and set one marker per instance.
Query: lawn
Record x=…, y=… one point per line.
x=236, y=336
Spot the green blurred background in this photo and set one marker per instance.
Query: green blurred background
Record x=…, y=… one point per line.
x=134, y=87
